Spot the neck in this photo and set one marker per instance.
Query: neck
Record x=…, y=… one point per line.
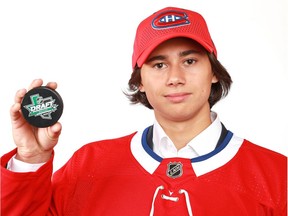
x=183, y=132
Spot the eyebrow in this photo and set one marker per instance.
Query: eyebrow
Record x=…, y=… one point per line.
x=181, y=54
x=188, y=52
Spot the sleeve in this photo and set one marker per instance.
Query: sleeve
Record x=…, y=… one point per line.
x=25, y=193
x=20, y=166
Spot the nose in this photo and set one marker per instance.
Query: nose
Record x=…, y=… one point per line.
x=176, y=76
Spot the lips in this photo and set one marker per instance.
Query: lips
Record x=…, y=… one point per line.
x=177, y=97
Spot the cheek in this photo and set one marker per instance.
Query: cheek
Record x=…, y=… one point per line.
x=151, y=90
x=206, y=91
x=149, y=84
x=204, y=88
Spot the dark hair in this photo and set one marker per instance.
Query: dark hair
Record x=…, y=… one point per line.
x=219, y=90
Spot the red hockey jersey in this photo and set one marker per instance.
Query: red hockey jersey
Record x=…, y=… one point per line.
x=124, y=176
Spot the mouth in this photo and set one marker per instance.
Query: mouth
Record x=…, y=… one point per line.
x=177, y=97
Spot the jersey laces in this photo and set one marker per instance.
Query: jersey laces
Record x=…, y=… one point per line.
x=171, y=198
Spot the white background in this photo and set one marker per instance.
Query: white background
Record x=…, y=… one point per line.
x=86, y=46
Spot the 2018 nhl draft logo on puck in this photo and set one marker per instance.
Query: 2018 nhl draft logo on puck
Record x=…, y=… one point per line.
x=42, y=106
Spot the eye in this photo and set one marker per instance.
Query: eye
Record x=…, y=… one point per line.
x=190, y=61
x=158, y=65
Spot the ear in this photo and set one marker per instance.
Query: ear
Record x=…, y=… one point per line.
x=141, y=88
x=214, y=79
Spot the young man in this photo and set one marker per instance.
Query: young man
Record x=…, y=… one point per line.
x=186, y=163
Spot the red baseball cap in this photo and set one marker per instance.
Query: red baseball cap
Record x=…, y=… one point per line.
x=168, y=23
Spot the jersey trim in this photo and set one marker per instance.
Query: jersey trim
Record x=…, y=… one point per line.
x=147, y=148
x=144, y=156
x=216, y=150
x=149, y=160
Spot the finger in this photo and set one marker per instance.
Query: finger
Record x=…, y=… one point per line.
x=52, y=85
x=14, y=111
x=53, y=132
x=19, y=95
x=16, y=116
x=35, y=83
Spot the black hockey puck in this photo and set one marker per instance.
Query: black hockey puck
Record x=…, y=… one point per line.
x=42, y=106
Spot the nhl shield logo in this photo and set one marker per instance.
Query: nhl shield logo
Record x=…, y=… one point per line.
x=174, y=169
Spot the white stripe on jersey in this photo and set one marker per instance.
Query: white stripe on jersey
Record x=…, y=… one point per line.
x=148, y=161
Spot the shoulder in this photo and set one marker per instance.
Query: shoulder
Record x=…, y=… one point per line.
x=263, y=171
x=258, y=159
x=261, y=152
x=104, y=152
x=106, y=144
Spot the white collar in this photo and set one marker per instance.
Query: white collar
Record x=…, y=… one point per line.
x=201, y=165
x=202, y=144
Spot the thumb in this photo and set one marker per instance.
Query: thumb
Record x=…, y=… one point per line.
x=53, y=132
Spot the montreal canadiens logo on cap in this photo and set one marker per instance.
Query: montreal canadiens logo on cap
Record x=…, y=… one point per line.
x=170, y=19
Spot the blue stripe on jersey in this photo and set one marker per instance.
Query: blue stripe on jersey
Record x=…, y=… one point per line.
x=193, y=160
x=215, y=151
x=147, y=148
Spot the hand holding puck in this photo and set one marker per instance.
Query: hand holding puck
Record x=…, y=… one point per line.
x=42, y=106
